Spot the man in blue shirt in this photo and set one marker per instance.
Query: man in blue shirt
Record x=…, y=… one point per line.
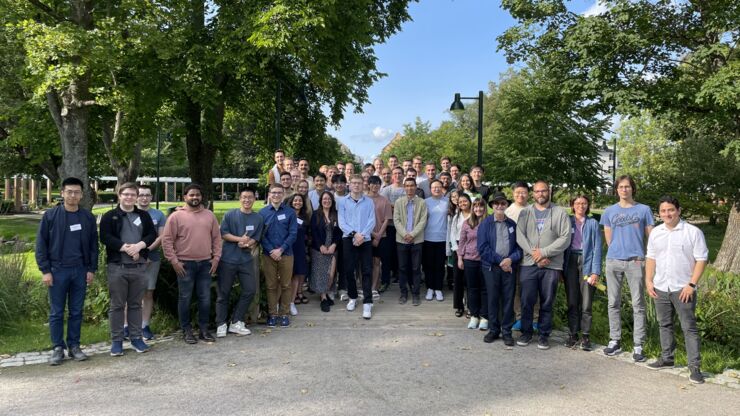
x=626, y=224
x=357, y=220
x=152, y=267
x=241, y=230
x=67, y=255
x=281, y=228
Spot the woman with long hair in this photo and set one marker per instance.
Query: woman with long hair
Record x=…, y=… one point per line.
x=458, y=218
x=326, y=235
x=469, y=262
x=467, y=186
x=300, y=265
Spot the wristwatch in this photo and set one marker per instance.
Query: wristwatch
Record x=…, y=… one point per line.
x=693, y=286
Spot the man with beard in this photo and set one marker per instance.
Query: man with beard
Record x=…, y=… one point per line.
x=543, y=233
x=192, y=244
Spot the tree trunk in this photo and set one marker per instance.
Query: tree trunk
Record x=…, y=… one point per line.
x=126, y=171
x=199, y=148
x=728, y=258
x=71, y=120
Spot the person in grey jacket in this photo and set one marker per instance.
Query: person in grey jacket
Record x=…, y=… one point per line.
x=543, y=233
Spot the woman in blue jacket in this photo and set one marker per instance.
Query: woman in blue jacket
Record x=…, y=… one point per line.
x=499, y=255
x=582, y=270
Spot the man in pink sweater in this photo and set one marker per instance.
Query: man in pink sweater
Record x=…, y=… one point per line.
x=192, y=244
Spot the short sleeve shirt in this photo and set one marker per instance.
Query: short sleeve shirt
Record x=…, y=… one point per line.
x=383, y=212
x=628, y=230
x=158, y=219
x=675, y=253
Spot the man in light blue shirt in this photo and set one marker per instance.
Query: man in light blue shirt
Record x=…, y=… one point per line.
x=626, y=224
x=357, y=220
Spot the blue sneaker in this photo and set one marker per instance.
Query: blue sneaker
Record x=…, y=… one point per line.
x=517, y=326
x=284, y=321
x=271, y=322
x=139, y=345
x=125, y=332
x=147, y=333
x=116, y=349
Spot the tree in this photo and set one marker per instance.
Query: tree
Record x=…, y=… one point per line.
x=676, y=59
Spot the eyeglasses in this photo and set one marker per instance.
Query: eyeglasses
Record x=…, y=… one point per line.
x=73, y=193
x=145, y=195
x=276, y=193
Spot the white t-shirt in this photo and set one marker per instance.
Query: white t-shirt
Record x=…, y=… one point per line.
x=675, y=253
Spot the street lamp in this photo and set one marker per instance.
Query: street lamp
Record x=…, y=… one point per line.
x=457, y=105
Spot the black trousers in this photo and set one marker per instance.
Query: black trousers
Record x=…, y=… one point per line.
x=362, y=255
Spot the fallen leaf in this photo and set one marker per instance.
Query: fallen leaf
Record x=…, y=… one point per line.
x=304, y=391
x=436, y=334
x=425, y=365
x=466, y=348
x=231, y=365
x=310, y=324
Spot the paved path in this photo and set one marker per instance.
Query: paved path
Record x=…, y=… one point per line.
x=406, y=360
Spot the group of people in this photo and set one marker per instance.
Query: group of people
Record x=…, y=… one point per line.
x=340, y=230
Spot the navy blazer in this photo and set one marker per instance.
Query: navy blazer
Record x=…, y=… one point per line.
x=487, y=243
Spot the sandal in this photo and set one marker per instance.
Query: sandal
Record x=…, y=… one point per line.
x=304, y=298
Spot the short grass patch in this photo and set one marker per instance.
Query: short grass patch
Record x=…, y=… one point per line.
x=21, y=227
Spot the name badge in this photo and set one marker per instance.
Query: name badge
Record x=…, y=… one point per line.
x=137, y=221
x=155, y=221
x=573, y=230
x=281, y=217
x=300, y=221
x=75, y=227
x=250, y=228
x=511, y=230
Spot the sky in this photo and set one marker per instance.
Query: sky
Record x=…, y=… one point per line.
x=448, y=47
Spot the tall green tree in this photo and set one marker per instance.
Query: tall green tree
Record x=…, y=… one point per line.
x=676, y=59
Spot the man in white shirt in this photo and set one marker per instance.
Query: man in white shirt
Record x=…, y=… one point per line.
x=676, y=256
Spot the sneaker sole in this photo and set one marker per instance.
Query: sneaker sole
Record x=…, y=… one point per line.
x=238, y=334
x=222, y=335
x=613, y=353
x=522, y=344
x=141, y=351
x=116, y=354
x=543, y=347
x=696, y=381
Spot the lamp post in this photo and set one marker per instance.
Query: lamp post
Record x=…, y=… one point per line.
x=457, y=105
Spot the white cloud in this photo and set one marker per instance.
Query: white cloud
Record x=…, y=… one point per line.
x=596, y=9
x=382, y=133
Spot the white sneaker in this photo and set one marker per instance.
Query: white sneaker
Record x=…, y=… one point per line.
x=351, y=304
x=293, y=309
x=483, y=324
x=221, y=331
x=376, y=295
x=430, y=294
x=239, y=328
x=473, y=324
x=439, y=295
x=367, y=310
x=343, y=296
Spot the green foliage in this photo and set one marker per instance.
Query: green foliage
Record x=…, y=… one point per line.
x=718, y=308
x=18, y=296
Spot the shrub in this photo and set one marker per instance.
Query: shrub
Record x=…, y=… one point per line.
x=718, y=308
x=18, y=296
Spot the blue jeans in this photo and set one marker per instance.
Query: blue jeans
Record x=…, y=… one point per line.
x=500, y=286
x=69, y=288
x=198, y=277
x=543, y=282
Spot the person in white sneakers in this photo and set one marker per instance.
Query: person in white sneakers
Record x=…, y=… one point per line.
x=241, y=230
x=435, y=236
x=357, y=221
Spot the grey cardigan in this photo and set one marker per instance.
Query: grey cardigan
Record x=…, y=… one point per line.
x=552, y=241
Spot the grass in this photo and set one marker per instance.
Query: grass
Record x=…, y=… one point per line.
x=33, y=335
x=22, y=226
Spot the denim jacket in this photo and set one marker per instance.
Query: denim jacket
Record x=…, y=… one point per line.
x=487, y=243
x=591, y=246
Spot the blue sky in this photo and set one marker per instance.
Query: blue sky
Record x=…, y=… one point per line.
x=450, y=46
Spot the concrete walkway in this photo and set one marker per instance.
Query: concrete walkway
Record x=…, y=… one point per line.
x=406, y=360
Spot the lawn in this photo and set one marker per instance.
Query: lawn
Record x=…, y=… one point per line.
x=23, y=227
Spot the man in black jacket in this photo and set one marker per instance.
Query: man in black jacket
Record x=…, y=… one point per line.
x=126, y=231
x=67, y=255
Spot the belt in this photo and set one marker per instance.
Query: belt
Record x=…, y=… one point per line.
x=128, y=265
x=579, y=252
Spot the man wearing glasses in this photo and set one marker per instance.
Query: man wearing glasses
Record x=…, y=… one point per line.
x=152, y=267
x=127, y=232
x=281, y=230
x=67, y=255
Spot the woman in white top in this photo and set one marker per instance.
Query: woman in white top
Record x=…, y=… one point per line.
x=455, y=223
